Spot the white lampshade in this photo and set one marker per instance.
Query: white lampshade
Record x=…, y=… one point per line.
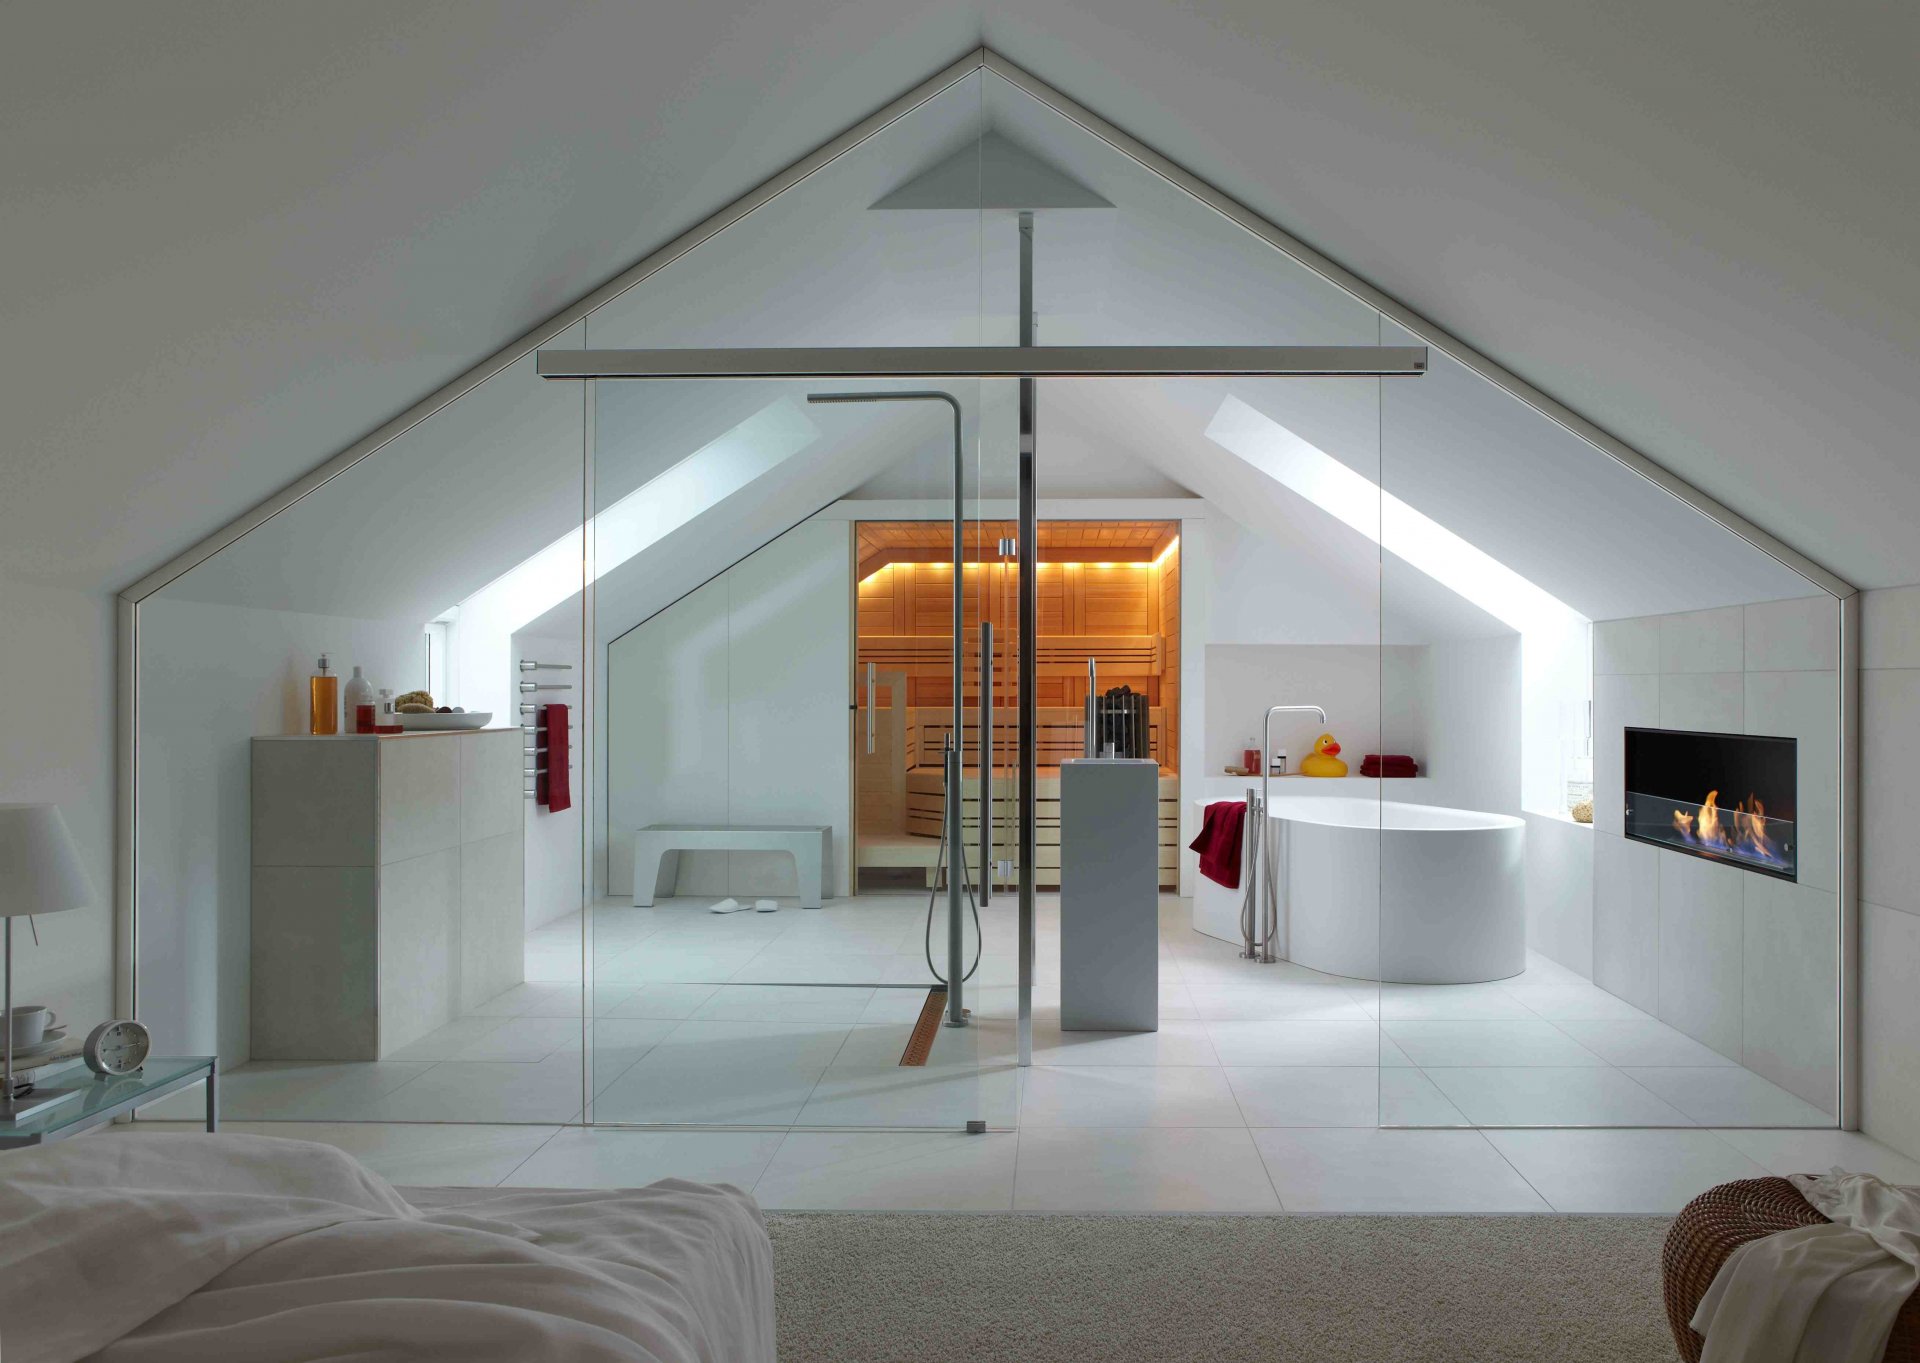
x=40, y=870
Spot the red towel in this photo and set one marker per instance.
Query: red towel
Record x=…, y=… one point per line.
x=1392, y=764
x=554, y=789
x=1221, y=825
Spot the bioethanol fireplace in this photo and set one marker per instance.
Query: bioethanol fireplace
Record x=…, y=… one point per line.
x=1726, y=797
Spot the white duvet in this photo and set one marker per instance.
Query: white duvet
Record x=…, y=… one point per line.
x=253, y=1249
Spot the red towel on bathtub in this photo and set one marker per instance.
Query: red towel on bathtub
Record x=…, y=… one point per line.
x=1221, y=824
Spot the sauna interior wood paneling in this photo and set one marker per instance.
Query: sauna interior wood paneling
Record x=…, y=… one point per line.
x=1109, y=589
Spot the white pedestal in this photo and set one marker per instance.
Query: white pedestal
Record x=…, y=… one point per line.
x=1109, y=895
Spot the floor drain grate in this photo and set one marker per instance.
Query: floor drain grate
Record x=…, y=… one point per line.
x=925, y=1029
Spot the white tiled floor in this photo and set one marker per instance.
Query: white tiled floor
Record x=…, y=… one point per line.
x=1264, y=1089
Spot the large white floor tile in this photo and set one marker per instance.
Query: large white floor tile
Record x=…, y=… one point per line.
x=1622, y=1171
x=1408, y=1097
x=1392, y=1172
x=737, y=1073
x=1114, y=1095
x=1308, y=1095
x=1280, y=1001
x=292, y=1090
x=610, y=1158
x=891, y=1171
x=488, y=1091
x=1296, y=1043
x=1432, y=1044
x=661, y=1000
x=787, y=1003
x=1454, y=1002
x=1551, y=1095
x=1176, y=1043
x=1141, y=1169
x=1815, y=1152
x=1566, y=1002
x=1728, y=1096
x=946, y=1098
x=1642, y=1041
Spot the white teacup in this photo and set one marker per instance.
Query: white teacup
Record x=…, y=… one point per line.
x=30, y=1022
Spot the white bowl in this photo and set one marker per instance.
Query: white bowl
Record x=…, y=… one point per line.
x=464, y=719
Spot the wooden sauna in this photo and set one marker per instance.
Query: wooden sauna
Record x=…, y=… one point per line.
x=1109, y=590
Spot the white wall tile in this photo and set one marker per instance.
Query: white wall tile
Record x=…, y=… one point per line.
x=1890, y=627
x=419, y=795
x=1711, y=701
x=1703, y=641
x=1626, y=646
x=418, y=948
x=1804, y=706
x=491, y=784
x=1702, y=919
x=1793, y=635
x=1559, y=878
x=1618, y=702
x=1626, y=919
x=1890, y=788
x=1791, y=988
x=313, y=803
x=1889, y=1025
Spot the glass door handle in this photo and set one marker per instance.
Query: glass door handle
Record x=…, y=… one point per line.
x=986, y=761
x=870, y=686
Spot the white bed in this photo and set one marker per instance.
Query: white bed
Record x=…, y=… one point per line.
x=152, y=1249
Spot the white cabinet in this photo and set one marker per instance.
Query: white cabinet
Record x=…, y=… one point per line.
x=387, y=887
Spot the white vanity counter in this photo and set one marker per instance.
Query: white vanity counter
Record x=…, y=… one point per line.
x=387, y=886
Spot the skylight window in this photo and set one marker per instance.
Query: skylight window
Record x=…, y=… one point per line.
x=1363, y=504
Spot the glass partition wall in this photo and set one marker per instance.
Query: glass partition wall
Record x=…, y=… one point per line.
x=376, y=925
x=1609, y=875
x=1544, y=761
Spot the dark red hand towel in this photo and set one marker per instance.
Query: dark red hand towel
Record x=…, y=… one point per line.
x=1392, y=764
x=1221, y=825
x=555, y=789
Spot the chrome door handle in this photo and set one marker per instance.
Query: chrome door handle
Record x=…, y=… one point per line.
x=870, y=684
x=986, y=761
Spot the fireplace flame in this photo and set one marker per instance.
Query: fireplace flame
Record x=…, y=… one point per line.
x=1741, y=832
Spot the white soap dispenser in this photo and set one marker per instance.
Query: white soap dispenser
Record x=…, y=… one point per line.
x=358, y=699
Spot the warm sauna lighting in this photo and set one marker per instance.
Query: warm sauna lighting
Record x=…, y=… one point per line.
x=1172, y=545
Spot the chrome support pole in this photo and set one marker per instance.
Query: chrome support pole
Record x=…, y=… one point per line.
x=956, y=878
x=1029, y=556
x=986, y=756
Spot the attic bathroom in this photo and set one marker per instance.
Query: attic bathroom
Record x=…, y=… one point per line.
x=742, y=805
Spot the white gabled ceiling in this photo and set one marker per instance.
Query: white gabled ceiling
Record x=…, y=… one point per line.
x=237, y=238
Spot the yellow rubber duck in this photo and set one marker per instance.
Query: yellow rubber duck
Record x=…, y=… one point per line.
x=1323, y=760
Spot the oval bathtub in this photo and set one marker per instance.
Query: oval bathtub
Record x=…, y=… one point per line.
x=1380, y=890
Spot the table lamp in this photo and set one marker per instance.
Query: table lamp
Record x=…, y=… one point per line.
x=40, y=872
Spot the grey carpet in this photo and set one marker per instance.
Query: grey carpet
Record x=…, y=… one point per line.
x=873, y=1288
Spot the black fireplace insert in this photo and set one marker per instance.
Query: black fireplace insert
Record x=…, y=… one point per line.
x=1726, y=797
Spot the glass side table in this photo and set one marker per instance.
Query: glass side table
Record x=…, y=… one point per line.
x=106, y=1097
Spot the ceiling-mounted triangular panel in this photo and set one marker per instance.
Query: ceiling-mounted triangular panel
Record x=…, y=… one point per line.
x=993, y=173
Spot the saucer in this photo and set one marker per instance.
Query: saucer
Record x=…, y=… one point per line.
x=52, y=1041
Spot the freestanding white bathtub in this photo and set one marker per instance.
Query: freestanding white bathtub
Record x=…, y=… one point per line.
x=1380, y=890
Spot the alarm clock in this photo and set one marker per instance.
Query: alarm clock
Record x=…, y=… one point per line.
x=118, y=1046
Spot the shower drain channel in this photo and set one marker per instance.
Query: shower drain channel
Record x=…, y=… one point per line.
x=926, y=1028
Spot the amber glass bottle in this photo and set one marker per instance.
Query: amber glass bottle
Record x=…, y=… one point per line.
x=323, y=695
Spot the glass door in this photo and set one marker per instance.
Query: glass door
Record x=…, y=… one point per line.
x=762, y=954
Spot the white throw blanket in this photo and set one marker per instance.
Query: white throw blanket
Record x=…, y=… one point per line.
x=1818, y=1294
x=161, y=1249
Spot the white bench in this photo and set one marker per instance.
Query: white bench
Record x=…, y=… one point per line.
x=657, y=849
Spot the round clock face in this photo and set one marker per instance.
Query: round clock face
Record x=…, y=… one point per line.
x=118, y=1047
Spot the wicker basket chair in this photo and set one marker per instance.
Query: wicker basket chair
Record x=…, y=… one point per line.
x=1720, y=1220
